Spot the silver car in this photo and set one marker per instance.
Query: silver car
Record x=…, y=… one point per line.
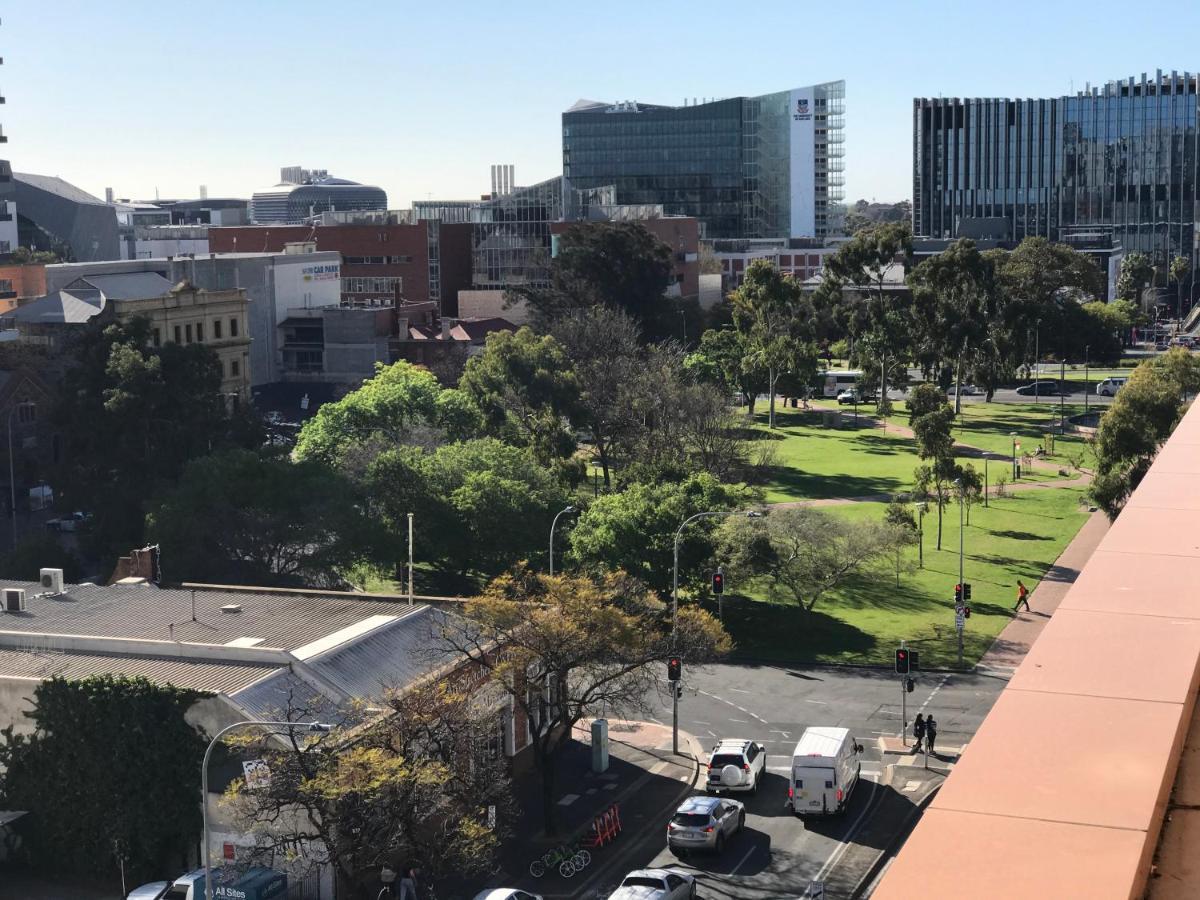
x=655, y=884
x=704, y=823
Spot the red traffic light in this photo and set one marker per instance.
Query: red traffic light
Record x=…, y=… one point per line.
x=674, y=668
x=958, y=593
x=718, y=582
x=902, y=663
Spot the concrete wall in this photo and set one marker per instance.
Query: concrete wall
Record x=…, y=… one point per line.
x=489, y=304
x=355, y=339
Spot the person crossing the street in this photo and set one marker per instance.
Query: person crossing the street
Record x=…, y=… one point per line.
x=918, y=732
x=930, y=733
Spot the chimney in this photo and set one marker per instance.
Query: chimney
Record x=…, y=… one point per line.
x=445, y=329
x=204, y=192
x=108, y=195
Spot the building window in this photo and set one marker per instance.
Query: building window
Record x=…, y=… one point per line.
x=399, y=260
x=187, y=330
x=157, y=338
x=234, y=368
x=178, y=335
x=200, y=332
x=26, y=413
x=217, y=330
x=233, y=326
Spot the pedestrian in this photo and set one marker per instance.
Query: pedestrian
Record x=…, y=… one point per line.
x=408, y=883
x=930, y=733
x=1022, y=596
x=918, y=732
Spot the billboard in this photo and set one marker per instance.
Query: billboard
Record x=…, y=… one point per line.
x=802, y=162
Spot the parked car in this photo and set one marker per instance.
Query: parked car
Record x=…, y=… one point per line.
x=655, y=884
x=152, y=891
x=1109, y=386
x=1039, y=388
x=968, y=390
x=853, y=395
x=704, y=823
x=736, y=765
x=76, y=521
x=506, y=894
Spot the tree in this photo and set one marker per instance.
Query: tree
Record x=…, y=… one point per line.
x=415, y=784
x=1182, y=368
x=634, y=529
x=1181, y=267
x=968, y=487
x=401, y=404
x=239, y=517
x=35, y=552
x=24, y=256
x=620, y=265
x=932, y=430
x=768, y=309
x=724, y=358
x=570, y=647
x=110, y=776
x=132, y=416
x=804, y=553
x=1136, y=275
x=525, y=387
x=1130, y=433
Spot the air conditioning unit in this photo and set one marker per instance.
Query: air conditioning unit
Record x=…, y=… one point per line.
x=14, y=600
x=52, y=580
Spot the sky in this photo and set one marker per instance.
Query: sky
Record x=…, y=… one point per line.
x=421, y=98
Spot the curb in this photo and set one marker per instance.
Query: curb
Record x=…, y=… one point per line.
x=601, y=868
x=893, y=846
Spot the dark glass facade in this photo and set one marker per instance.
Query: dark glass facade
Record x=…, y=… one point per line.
x=730, y=163
x=1119, y=159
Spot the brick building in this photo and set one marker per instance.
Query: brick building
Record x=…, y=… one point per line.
x=19, y=284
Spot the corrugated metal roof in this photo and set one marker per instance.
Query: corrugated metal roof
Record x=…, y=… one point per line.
x=130, y=285
x=286, y=696
x=137, y=611
x=200, y=675
x=58, y=308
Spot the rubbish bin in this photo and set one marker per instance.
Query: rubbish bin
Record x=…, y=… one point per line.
x=600, y=745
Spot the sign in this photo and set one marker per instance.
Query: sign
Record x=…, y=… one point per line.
x=227, y=850
x=258, y=776
x=802, y=113
x=959, y=618
x=328, y=272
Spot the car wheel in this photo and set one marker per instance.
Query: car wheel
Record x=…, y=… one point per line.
x=754, y=787
x=720, y=844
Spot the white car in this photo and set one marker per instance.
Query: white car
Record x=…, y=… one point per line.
x=1109, y=386
x=152, y=891
x=736, y=764
x=655, y=884
x=968, y=390
x=506, y=894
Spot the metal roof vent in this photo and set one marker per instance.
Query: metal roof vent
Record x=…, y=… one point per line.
x=14, y=600
x=231, y=608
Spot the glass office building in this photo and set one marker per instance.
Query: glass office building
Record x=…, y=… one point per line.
x=1117, y=160
x=746, y=167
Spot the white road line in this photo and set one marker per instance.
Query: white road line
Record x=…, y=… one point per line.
x=739, y=691
x=698, y=722
x=820, y=702
x=836, y=855
x=740, y=721
x=742, y=862
x=743, y=709
x=784, y=769
x=933, y=693
x=711, y=734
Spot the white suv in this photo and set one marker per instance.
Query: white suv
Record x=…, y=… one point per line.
x=736, y=765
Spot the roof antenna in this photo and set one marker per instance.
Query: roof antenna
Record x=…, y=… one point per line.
x=193, y=620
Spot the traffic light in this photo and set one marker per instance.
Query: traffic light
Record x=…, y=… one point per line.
x=958, y=594
x=678, y=691
x=718, y=582
x=909, y=684
x=967, y=590
x=902, y=661
x=674, y=668
x=914, y=658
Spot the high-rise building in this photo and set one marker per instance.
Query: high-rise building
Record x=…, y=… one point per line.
x=1118, y=162
x=746, y=167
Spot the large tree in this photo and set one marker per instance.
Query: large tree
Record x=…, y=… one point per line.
x=1180, y=270
x=239, y=517
x=110, y=777
x=775, y=323
x=574, y=647
x=724, y=358
x=1137, y=274
x=132, y=416
x=932, y=420
x=804, y=553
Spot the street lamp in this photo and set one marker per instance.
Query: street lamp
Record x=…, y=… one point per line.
x=921, y=507
x=1037, y=359
x=314, y=727
x=569, y=509
x=1013, y=435
x=12, y=480
x=750, y=514
x=1087, y=348
x=958, y=481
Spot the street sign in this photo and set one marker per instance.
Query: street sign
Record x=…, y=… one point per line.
x=258, y=775
x=959, y=621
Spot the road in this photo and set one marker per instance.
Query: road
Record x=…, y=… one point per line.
x=778, y=854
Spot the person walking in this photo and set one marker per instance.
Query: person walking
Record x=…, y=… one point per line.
x=918, y=732
x=1022, y=596
x=930, y=733
x=408, y=883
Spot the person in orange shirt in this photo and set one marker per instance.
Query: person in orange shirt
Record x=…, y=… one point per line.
x=1022, y=596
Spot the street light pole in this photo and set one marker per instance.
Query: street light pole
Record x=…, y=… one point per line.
x=675, y=607
x=921, y=534
x=1037, y=359
x=960, y=566
x=1086, y=358
x=1062, y=395
x=410, y=558
x=288, y=727
x=1013, y=435
x=569, y=509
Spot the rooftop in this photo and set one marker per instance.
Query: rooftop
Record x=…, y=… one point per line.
x=54, y=185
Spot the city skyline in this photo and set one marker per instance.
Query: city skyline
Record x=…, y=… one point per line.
x=165, y=104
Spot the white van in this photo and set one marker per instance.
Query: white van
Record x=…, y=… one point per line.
x=825, y=769
x=1109, y=386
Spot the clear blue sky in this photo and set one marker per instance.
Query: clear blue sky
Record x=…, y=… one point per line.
x=420, y=98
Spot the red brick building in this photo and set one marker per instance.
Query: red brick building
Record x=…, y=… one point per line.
x=19, y=284
x=426, y=260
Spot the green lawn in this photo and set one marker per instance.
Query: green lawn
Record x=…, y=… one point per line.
x=1017, y=537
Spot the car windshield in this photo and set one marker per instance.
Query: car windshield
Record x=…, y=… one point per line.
x=642, y=881
x=720, y=760
x=691, y=820
x=176, y=892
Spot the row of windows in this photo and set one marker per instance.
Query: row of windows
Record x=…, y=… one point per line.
x=376, y=260
x=193, y=333
x=377, y=285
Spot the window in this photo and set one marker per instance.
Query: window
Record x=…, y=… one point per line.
x=397, y=260
x=187, y=330
x=235, y=368
x=233, y=326
x=26, y=413
x=217, y=330
x=157, y=338
x=200, y=332
x=178, y=335
x=829, y=785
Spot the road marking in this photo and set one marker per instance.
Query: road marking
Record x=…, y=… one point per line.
x=568, y=799
x=933, y=693
x=698, y=722
x=820, y=702
x=784, y=769
x=749, y=853
x=659, y=767
x=779, y=731
x=838, y=852
x=739, y=691
x=711, y=734
x=740, y=721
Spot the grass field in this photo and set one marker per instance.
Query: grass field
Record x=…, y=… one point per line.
x=1016, y=537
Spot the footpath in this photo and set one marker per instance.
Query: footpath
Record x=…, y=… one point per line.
x=645, y=781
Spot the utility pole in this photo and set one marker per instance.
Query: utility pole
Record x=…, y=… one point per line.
x=958, y=616
x=1062, y=396
x=410, y=557
x=1087, y=348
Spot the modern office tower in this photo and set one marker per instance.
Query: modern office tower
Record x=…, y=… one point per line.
x=746, y=167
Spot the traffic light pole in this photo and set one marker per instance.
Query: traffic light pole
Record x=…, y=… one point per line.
x=903, y=705
x=960, y=575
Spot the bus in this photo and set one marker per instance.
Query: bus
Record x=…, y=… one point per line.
x=833, y=382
